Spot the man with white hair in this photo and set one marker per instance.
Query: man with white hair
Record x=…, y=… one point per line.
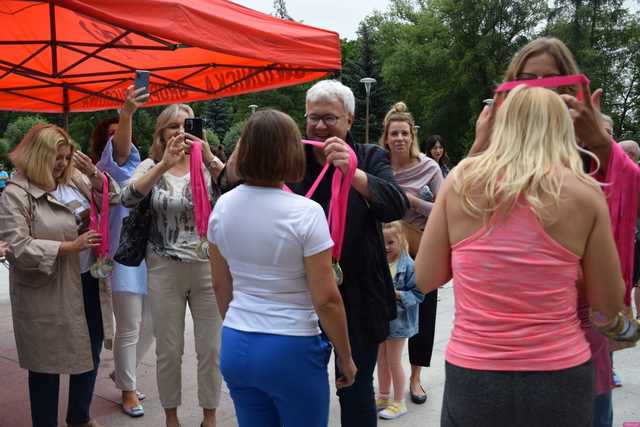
x=367, y=291
x=632, y=149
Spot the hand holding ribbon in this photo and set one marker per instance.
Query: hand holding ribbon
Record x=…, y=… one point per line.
x=200, y=194
x=340, y=188
x=102, y=268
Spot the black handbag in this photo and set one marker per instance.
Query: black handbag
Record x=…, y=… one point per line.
x=134, y=235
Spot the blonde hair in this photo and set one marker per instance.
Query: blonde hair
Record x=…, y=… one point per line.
x=532, y=141
x=400, y=113
x=397, y=229
x=35, y=155
x=165, y=118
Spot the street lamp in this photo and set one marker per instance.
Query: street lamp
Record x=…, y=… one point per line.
x=367, y=81
x=253, y=108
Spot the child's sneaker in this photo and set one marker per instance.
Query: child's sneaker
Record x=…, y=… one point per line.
x=382, y=403
x=393, y=411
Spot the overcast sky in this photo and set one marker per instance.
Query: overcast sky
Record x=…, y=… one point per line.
x=342, y=16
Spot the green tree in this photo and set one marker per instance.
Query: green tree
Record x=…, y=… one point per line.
x=280, y=9
x=232, y=137
x=17, y=129
x=216, y=115
x=360, y=61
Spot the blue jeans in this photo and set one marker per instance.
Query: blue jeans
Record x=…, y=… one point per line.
x=45, y=388
x=603, y=410
x=276, y=380
x=357, y=403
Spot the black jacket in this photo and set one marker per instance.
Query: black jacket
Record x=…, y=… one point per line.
x=367, y=290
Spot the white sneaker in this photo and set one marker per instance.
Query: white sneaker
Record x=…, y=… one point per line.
x=393, y=411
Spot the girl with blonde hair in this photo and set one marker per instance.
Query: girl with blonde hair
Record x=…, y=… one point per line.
x=515, y=226
x=420, y=177
x=404, y=326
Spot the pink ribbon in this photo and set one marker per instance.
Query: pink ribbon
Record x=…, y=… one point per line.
x=340, y=186
x=579, y=80
x=101, y=226
x=199, y=192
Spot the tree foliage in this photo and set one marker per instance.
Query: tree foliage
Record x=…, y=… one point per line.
x=441, y=57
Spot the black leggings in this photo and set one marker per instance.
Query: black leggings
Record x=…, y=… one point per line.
x=421, y=344
x=525, y=399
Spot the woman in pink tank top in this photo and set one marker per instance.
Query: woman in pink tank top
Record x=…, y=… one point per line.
x=516, y=227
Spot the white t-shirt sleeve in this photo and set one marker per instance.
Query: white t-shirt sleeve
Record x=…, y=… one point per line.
x=214, y=220
x=315, y=234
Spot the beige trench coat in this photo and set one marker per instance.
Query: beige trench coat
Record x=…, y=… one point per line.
x=49, y=322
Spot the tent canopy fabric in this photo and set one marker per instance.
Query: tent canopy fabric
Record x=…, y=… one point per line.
x=80, y=55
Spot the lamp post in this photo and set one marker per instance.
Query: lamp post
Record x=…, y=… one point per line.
x=367, y=81
x=253, y=108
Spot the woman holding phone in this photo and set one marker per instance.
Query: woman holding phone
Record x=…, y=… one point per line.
x=177, y=275
x=112, y=146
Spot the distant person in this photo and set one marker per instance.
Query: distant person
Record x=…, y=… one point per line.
x=273, y=292
x=4, y=177
x=434, y=147
x=515, y=234
x=61, y=313
x=607, y=124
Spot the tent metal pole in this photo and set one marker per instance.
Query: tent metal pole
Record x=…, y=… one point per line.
x=65, y=106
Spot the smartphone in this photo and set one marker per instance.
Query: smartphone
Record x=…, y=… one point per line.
x=194, y=127
x=142, y=80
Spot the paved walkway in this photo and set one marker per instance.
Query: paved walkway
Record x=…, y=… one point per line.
x=14, y=402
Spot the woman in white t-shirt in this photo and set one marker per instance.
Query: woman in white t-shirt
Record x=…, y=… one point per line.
x=270, y=252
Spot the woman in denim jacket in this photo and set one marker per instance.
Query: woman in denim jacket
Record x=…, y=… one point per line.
x=404, y=326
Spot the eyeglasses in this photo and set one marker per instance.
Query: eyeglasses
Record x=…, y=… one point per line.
x=328, y=120
x=531, y=76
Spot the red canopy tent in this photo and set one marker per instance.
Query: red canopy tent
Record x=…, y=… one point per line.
x=80, y=55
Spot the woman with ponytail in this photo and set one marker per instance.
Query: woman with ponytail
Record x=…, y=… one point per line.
x=420, y=177
x=178, y=270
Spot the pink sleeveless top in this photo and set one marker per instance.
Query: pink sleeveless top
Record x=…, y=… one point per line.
x=515, y=299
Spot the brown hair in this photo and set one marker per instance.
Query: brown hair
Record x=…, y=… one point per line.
x=550, y=45
x=35, y=155
x=270, y=148
x=99, y=138
x=400, y=113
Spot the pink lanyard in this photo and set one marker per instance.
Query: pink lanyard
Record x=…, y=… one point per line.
x=549, y=82
x=340, y=186
x=101, y=226
x=199, y=192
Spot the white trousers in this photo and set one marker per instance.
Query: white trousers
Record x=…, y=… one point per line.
x=173, y=285
x=133, y=337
